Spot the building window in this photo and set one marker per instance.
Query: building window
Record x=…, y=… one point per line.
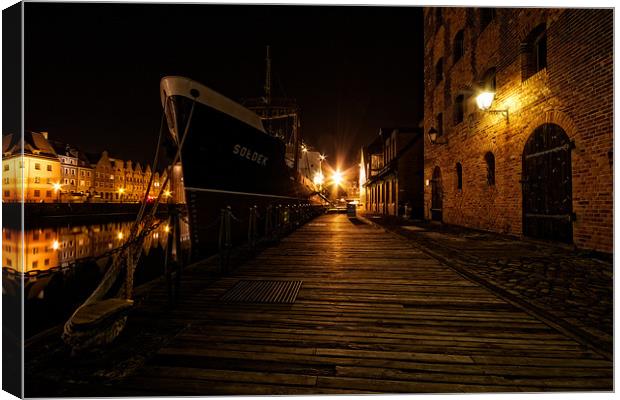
x=48, y=193
x=439, y=124
x=7, y=193
x=49, y=167
x=46, y=262
x=534, y=52
x=37, y=193
x=37, y=179
x=6, y=167
x=439, y=71
x=37, y=166
x=438, y=18
x=49, y=181
x=459, y=176
x=35, y=250
x=488, y=80
x=6, y=181
x=489, y=158
x=458, y=49
x=486, y=16
x=35, y=264
x=458, y=109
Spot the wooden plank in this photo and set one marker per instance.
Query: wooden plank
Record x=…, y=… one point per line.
x=373, y=315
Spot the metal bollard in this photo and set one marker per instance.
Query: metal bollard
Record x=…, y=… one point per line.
x=224, y=242
x=268, y=220
x=252, y=227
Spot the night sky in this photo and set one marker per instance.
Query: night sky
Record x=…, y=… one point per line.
x=92, y=70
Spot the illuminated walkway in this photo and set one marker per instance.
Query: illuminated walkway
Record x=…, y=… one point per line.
x=373, y=315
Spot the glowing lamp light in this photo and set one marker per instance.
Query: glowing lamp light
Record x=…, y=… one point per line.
x=121, y=190
x=57, y=186
x=484, y=100
x=166, y=229
x=120, y=235
x=318, y=178
x=167, y=193
x=337, y=177
x=55, y=245
x=322, y=157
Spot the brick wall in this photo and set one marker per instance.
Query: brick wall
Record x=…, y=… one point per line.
x=574, y=91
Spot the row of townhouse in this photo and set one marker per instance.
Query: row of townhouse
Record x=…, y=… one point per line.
x=50, y=171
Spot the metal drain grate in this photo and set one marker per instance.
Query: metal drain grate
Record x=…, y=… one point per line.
x=263, y=291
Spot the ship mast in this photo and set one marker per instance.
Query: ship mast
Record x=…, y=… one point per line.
x=280, y=116
x=268, y=79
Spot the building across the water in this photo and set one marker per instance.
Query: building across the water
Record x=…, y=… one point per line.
x=35, y=171
x=58, y=172
x=519, y=121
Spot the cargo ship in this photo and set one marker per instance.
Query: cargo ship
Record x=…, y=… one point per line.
x=230, y=160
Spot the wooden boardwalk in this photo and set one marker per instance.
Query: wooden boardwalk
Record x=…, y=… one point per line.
x=373, y=315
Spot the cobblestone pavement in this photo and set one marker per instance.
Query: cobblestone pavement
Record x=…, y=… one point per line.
x=571, y=288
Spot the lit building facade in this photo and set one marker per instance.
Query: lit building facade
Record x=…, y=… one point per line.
x=392, y=167
x=119, y=181
x=538, y=161
x=35, y=172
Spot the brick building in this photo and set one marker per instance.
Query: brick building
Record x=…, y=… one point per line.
x=542, y=169
x=392, y=171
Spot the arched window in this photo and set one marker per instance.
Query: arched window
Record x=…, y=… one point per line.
x=458, y=109
x=534, y=52
x=490, y=160
x=459, y=176
x=487, y=15
x=458, y=49
x=439, y=71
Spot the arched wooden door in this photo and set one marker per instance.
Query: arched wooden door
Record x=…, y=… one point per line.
x=547, y=185
x=436, y=195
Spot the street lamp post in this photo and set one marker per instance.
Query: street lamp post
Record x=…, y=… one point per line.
x=120, y=194
x=57, y=187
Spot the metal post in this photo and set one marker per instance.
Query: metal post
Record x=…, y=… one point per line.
x=252, y=227
x=224, y=238
x=268, y=217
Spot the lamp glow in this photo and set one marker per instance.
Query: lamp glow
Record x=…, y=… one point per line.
x=55, y=245
x=484, y=100
x=318, y=178
x=56, y=186
x=337, y=178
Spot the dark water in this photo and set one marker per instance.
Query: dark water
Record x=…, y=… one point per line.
x=58, y=270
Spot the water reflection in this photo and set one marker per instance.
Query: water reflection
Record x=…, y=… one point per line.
x=60, y=268
x=48, y=248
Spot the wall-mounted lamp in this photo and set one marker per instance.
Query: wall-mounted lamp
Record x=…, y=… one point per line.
x=484, y=101
x=433, y=136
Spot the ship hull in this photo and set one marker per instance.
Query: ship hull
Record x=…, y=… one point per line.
x=229, y=162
